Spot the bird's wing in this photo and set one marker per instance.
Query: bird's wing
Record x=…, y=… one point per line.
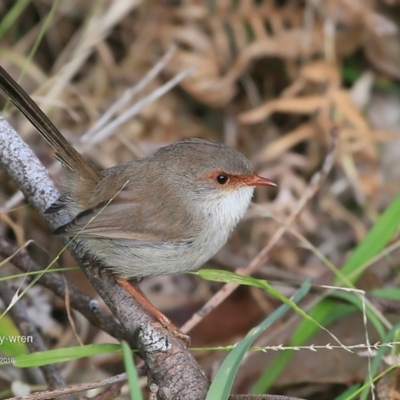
x=132, y=219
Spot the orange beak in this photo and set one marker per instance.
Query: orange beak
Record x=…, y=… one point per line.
x=256, y=180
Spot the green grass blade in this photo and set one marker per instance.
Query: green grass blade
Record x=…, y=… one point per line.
x=217, y=275
x=270, y=374
x=349, y=392
x=375, y=241
x=387, y=293
x=223, y=381
x=62, y=355
x=39, y=37
x=371, y=316
x=133, y=378
x=9, y=19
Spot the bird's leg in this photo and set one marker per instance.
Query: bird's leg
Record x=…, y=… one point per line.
x=142, y=300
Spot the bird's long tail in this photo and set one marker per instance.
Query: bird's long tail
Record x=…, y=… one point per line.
x=65, y=153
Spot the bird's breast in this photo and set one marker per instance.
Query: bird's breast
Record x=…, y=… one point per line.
x=220, y=217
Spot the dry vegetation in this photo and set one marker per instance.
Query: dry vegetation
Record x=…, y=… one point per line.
x=272, y=78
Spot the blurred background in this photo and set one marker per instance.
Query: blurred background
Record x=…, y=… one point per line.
x=271, y=78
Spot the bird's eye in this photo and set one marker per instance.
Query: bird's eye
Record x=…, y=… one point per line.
x=222, y=179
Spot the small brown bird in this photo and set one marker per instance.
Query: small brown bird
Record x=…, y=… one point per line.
x=163, y=214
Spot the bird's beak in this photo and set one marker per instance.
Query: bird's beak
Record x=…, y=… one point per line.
x=256, y=180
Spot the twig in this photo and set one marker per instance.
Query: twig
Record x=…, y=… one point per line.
x=229, y=288
x=50, y=394
x=138, y=106
x=129, y=94
x=109, y=393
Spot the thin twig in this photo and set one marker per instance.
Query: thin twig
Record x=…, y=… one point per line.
x=129, y=94
x=110, y=392
x=138, y=106
x=50, y=394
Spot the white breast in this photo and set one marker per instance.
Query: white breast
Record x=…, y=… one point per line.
x=223, y=214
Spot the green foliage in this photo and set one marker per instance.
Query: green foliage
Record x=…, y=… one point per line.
x=375, y=241
x=133, y=378
x=62, y=355
x=223, y=381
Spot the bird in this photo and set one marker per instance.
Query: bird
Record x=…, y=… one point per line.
x=167, y=213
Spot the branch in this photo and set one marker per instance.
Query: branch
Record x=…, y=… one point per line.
x=172, y=370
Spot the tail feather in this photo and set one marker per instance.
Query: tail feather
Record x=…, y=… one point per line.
x=65, y=153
